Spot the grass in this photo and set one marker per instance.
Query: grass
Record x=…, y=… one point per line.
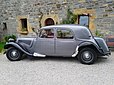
x=2, y=46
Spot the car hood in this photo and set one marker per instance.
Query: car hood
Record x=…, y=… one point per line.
x=25, y=40
x=101, y=42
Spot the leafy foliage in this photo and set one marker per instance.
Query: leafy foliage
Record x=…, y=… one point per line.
x=70, y=19
x=2, y=46
x=6, y=38
x=24, y=29
x=98, y=33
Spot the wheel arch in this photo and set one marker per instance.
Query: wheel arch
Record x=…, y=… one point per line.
x=12, y=44
x=90, y=46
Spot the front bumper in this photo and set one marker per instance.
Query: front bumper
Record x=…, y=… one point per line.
x=104, y=53
x=108, y=53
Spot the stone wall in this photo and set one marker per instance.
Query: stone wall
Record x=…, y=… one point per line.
x=12, y=10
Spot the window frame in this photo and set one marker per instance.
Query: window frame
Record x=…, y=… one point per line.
x=19, y=28
x=47, y=37
x=68, y=29
x=83, y=15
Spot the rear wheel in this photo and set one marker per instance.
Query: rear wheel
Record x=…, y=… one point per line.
x=87, y=56
x=13, y=54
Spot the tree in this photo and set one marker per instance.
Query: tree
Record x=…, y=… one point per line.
x=70, y=19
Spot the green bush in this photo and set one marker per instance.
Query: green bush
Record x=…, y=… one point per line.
x=6, y=38
x=70, y=19
x=2, y=46
x=98, y=33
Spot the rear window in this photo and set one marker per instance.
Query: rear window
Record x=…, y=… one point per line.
x=83, y=34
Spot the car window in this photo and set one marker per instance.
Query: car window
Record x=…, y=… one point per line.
x=47, y=33
x=64, y=34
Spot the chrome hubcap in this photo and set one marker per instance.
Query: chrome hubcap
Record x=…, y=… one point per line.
x=87, y=56
x=14, y=53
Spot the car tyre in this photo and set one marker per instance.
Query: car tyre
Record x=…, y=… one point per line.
x=14, y=54
x=87, y=56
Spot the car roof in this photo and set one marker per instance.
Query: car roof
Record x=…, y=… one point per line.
x=70, y=26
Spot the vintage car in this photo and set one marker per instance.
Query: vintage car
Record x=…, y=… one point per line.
x=59, y=41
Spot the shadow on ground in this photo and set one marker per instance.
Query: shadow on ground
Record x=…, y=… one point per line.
x=101, y=60
x=63, y=59
x=50, y=58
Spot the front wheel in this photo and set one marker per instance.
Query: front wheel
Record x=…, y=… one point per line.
x=87, y=56
x=13, y=54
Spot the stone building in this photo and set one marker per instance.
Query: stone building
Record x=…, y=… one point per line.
x=20, y=16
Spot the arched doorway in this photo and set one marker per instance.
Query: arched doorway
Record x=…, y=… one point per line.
x=49, y=21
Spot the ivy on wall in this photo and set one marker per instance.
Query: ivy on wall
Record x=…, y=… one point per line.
x=98, y=33
x=70, y=19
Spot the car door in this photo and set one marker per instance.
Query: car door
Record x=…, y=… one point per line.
x=45, y=42
x=65, y=42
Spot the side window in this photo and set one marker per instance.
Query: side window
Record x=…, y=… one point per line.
x=64, y=34
x=47, y=33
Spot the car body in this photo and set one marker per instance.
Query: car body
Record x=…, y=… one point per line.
x=110, y=41
x=59, y=40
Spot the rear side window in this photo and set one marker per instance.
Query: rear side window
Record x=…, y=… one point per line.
x=64, y=34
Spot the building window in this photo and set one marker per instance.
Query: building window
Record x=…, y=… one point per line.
x=24, y=24
x=83, y=20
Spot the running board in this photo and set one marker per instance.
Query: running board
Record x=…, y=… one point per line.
x=39, y=55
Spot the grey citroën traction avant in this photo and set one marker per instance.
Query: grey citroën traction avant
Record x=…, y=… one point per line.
x=59, y=40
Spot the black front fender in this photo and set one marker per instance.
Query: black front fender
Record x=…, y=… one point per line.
x=13, y=44
x=85, y=43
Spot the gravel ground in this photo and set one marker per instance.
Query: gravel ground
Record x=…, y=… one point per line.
x=56, y=71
